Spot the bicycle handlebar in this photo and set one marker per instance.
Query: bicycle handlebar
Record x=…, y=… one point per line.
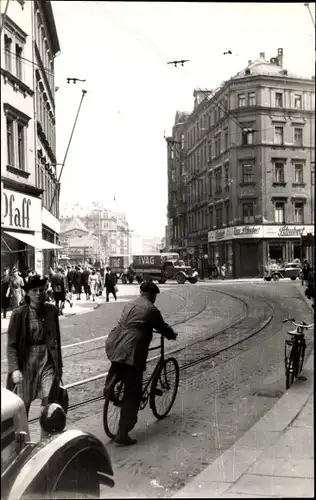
x=301, y=325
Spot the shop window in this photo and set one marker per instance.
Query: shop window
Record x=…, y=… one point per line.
x=276, y=254
x=296, y=251
x=248, y=213
x=278, y=136
x=247, y=174
x=279, y=212
x=299, y=213
x=278, y=173
x=298, y=173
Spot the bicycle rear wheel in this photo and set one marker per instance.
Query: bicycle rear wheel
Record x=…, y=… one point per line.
x=112, y=406
x=164, y=388
x=290, y=368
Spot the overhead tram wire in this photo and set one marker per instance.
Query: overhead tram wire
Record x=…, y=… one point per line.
x=47, y=70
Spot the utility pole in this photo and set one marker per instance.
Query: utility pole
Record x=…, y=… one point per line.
x=66, y=154
x=309, y=10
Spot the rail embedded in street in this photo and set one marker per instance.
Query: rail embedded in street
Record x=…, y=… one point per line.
x=164, y=381
x=294, y=357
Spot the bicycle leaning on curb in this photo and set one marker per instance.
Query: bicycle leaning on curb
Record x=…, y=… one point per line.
x=161, y=386
x=295, y=351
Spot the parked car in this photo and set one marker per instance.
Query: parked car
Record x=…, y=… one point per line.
x=65, y=464
x=290, y=270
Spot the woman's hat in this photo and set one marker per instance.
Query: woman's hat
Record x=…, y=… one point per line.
x=14, y=270
x=34, y=282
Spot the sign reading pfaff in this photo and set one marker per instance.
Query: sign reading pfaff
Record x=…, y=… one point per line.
x=19, y=211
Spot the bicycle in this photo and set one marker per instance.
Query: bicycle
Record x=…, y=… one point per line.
x=159, y=384
x=295, y=358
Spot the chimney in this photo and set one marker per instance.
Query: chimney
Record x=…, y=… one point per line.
x=249, y=62
x=280, y=58
x=262, y=54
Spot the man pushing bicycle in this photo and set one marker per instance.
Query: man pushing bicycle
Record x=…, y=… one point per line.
x=127, y=348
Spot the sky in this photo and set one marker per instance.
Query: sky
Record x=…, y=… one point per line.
x=118, y=155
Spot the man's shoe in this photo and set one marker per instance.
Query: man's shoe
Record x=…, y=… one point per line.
x=124, y=440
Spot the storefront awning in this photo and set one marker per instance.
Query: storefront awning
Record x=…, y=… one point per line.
x=34, y=241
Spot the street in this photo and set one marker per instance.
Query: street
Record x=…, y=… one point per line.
x=232, y=338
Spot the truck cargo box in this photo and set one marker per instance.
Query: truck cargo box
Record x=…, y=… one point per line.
x=147, y=261
x=119, y=261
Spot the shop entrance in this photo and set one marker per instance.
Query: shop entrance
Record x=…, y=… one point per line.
x=297, y=251
x=276, y=254
x=249, y=260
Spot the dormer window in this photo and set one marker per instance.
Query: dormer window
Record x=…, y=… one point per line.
x=247, y=71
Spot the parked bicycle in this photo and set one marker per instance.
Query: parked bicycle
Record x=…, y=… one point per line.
x=160, y=389
x=295, y=351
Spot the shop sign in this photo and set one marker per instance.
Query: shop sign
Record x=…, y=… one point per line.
x=20, y=211
x=285, y=231
x=230, y=233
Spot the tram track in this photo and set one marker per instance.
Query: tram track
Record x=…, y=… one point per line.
x=228, y=331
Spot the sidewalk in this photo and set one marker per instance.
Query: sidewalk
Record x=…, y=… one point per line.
x=275, y=458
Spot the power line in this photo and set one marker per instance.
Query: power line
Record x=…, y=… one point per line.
x=47, y=70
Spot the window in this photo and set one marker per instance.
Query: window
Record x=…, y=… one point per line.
x=297, y=101
x=226, y=139
x=248, y=213
x=298, y=137
x=279, y=209
x=210, y=218
x=18, y=55
x=247, y=174
x=278, y=173
x=218, y=180
x=227, y=213
x=278, y=135
x=226, y=177
x=217, y=146
x=252, y=99
x=10, y=141
x=219, y=217
x=279, y=99
x=21, y=148
x=211, y=184
x=247, y=136
x=8, y=55
x=241, y=100
x=299, y=213
x=298, y=173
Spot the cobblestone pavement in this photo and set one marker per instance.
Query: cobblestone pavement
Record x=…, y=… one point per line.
x=218, y=400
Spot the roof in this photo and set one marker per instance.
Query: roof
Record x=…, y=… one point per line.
x=266, y=68
x=74, y=224
x=49, y=15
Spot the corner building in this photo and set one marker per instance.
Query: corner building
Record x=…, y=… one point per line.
x=249, y=154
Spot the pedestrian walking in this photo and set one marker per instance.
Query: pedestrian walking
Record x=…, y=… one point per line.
x=223, y=271
x=305, y=272
x=68, y=295
x=77, y=281
x=110, y=283
x=127, y=348
x=85, y=282
x=93, y=284
x=59, y=291
x=5, y=299
x=70, y=278
x=100, y=283
x=15, y=290
x=34, y=348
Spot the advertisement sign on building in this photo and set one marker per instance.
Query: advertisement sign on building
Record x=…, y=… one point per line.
x=247, y=232
x=20, y=211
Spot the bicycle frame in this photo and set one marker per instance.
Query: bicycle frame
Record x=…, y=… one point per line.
x=159, y=363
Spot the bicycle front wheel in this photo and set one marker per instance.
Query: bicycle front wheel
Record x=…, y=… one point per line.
x=112, y=407
x=164, y=388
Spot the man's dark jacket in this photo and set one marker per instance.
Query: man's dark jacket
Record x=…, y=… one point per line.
x=110, y=280
x=58, y=283
x=85, y=277
x=128, y=342
x=19, y=340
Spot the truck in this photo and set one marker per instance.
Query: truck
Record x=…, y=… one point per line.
x=120, y=265
x=161, y=267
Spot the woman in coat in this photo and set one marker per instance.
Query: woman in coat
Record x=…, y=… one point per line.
x=34, y=348
x=5, y=300
x=93, y=284
x=15, y=289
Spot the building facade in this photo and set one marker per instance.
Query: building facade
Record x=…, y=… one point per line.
x=249, y=160
x=79, y=245
x=21, y=208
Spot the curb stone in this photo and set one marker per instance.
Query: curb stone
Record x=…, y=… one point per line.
x=223, y=473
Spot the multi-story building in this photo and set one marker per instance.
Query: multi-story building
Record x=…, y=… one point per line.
x=111, y=228
x=22, y=217
x=79, y=245
x=249, y=159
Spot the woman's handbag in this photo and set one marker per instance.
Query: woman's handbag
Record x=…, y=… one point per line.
x=60, y=395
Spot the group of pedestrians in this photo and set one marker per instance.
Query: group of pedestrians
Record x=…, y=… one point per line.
x=12, y=288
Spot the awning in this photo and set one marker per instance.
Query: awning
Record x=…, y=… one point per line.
x=34, y=241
